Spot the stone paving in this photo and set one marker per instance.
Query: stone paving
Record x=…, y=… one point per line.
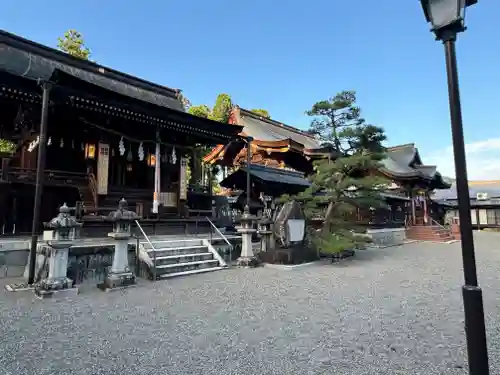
x=389, y=311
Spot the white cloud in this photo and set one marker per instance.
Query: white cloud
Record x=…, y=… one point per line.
x=483, y=160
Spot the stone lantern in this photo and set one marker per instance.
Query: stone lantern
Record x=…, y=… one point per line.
x=247, y=257
x=266, y=233
x=64, y=232
x=120, y=274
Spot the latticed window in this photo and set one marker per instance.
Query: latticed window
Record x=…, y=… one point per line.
x=491, y=217
x=497, y=216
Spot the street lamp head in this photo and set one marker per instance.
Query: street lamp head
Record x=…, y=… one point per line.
x=447, y=17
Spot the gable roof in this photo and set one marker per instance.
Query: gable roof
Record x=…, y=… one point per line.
x=23, y=57
x=268, y=130
x=404, y=162
x=24, y=63
x=491, y=187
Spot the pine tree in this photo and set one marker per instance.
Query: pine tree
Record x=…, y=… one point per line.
x=73, y=44
x=350, y=183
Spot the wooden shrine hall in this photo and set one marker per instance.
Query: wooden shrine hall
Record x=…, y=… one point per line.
x=109, y=135
x=282, y=157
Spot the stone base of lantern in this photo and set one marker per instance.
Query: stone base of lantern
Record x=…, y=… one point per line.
x=247, y=258
x=265, y=240
x=247, y=261
x=118, y=281
x=55, y=288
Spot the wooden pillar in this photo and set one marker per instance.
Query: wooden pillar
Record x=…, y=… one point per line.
x=425, y=210
x=413, y=211
x=195, y=167
x=4, y=176
x=478, y=220
x=210, y=178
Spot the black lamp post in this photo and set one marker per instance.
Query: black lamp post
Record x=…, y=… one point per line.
x=447, y=20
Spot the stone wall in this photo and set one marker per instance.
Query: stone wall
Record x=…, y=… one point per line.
x=387, y=236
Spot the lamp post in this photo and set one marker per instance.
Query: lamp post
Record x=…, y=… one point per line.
x=447, y=19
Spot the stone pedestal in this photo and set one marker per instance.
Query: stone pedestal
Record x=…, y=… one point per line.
x=63, y=233
x=266, y=235
x=57, y=283
x=247, y=257
x=120, y=275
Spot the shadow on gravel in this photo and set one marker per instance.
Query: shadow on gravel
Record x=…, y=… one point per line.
x=370, y=255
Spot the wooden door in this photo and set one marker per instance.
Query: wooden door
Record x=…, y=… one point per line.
x=102, y=169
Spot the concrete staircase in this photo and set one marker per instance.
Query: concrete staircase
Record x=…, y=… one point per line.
x=434, y=233
x=165, y=259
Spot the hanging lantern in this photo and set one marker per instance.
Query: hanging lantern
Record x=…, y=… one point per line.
x=89, y=151
x=61, y=144
x=49, y=142
x=129, y=155
x=151, y=160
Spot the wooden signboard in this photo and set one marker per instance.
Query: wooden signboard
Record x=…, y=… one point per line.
x=102, y=169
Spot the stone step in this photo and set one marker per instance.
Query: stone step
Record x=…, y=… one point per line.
x=184, y=267
x=183, y=258
x=431, y=238
x=197, y=263
x=185, y=242
x=429, y=231
x=423, y=229
x=191, y=272
x=176, y=251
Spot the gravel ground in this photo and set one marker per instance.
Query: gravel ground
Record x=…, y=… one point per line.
x=389, y=311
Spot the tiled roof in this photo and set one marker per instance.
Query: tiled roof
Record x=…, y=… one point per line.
x=24, y=57
x=264, y=129
x=404, y=161
x=491, y=188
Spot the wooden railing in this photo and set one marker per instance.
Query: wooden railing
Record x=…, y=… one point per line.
x=54, y=176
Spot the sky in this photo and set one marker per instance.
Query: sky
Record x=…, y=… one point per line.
x=286, y=55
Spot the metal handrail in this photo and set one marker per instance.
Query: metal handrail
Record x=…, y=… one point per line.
x=152, y=247
x=438, y=224
x=93, y=188
x=223, y=237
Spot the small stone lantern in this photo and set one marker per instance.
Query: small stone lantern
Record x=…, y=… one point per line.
x=120, y=274
x=266, y=232
x=247, y=257
x=64, y=232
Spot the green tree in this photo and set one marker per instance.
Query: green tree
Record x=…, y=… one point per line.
x=347, y=184
x=73, y=44
x=200, y=111
x=7, y=146
x=222, y=109
x=333, y=115
x=261, y=112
